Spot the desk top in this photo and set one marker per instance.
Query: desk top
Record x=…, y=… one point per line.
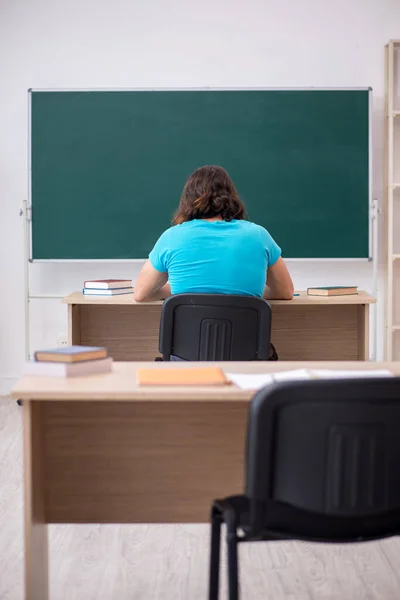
x=303, y=298
x=121, y=383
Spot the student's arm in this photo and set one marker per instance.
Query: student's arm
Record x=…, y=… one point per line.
x=151, y=285
x=279, y=283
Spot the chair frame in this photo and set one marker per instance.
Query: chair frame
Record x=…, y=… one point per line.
x=240, y=513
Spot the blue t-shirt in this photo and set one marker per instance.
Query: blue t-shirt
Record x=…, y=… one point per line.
x=215, y=257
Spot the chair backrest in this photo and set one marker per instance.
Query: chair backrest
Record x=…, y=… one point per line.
x=215, y=327
x=323, y=458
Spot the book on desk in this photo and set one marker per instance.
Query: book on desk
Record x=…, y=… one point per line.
x=70, y=361
x=107, y=287
x=334, y=290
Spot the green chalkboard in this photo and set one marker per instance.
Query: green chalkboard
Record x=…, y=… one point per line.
x=107, y=168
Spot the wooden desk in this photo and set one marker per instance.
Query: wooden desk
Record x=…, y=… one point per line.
x=305, y=328
x=102, y=450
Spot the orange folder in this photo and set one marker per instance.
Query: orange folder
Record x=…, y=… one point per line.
x=190, y=376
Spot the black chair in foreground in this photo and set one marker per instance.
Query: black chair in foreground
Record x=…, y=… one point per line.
x=201, y=327
x=322, y=465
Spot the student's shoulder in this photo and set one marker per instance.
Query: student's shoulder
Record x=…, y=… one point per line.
x=250, y=225
x=253, y=228
x=174, y=230
x=258, y=231
x=173, y=233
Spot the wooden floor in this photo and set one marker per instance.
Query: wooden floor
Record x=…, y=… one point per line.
x=170, y=562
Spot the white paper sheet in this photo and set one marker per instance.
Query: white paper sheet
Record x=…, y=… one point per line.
x=255, y=381
x=250, y=382
x=293, y=375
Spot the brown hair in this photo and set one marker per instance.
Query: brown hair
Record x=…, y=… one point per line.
x=209, y=192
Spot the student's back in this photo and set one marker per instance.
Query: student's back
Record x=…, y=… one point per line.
x=212, y=248
x=215, y=257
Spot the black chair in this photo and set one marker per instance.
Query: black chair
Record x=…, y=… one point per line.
x=212, y=327
x=322, y=465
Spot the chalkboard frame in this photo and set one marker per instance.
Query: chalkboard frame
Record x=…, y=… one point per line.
x=29, y=204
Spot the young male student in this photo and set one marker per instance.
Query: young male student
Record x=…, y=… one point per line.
x=212, y=248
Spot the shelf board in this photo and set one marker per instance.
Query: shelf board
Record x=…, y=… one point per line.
x=396, y=113
x=396, y=327
x=395, y=186
x=396, y=256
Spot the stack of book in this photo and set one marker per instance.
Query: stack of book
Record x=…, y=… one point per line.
x=70, y=361
x=108, y=287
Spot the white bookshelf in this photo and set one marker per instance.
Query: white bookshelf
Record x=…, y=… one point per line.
x=392, y=201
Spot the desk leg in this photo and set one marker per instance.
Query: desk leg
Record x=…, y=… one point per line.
x=36, y=543
x=363, y=332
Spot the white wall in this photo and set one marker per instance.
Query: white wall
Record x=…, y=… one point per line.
x=137, y=43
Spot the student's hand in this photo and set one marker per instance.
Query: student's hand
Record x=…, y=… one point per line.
x=151, y=285
x=279, y=283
